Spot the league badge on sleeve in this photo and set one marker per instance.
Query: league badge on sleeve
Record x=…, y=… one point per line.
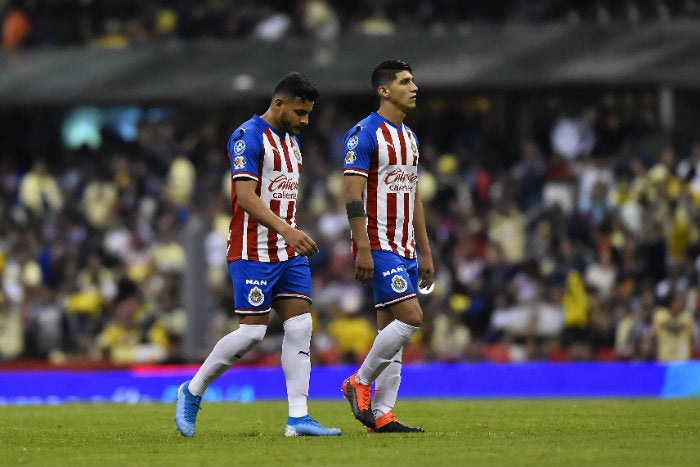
x=350, y=157
x=239, y=162
x=353, y=141
x=239, y=147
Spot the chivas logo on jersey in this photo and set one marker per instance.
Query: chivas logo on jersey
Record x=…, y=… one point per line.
x=398, y=284
x=256, y=296
x=239, y=162
x=297, y=154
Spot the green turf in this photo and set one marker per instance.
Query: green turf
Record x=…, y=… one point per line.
x=459, y=432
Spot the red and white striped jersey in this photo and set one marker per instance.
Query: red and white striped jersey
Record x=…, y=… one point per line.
x=388, y=156
x=259, y=152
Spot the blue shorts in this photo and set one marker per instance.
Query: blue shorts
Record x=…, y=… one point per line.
x=395, y=278
x=257, y=284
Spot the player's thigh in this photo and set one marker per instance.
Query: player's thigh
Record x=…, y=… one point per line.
x=292, y=292
x=409, y=311
x=384, y=317
x=290, y=307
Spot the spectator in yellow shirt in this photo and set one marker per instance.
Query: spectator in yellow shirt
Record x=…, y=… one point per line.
x=39, y=192
x=674, y=330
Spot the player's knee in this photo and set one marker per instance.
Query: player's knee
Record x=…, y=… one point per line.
x=413, y=316
x=299, y=326
x=255, y=332
x=414, y=320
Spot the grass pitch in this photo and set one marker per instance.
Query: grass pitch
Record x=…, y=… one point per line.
x=459, y=433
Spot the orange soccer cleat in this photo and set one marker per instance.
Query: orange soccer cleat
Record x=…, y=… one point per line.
x=388, y=423
x=360, y=398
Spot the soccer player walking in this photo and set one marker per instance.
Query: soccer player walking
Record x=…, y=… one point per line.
x=267, y=255
x=387, y=222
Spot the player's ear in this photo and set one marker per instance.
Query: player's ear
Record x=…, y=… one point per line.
x=383, y=91
x=277, y=102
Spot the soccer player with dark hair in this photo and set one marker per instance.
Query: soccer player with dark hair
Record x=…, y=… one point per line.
x=267, y=255
x=387, y=222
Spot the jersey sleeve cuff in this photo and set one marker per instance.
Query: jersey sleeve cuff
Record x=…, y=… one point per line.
x=355, y=172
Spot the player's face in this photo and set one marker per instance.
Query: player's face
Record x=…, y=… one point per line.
x=403, y=91
x=295, y=115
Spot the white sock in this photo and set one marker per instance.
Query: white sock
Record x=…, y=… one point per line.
x=388, y=342
x=387, y=386
x=296, y=363
x=225, y=353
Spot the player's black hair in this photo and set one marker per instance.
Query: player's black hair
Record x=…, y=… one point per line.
x=297, y=85
x=386, y=71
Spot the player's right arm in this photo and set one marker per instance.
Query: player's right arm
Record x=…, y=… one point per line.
x=358, y=144
x=256, y=208
x=364, y=264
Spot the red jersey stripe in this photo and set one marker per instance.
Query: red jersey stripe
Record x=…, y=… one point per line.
x=406, y=218
x=277, y=160
x=404, y=148
x=287, y=157
x=272, y=235
x=391, y=220
x=386, y=133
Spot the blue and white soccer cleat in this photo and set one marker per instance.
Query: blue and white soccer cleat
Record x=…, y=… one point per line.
x=186, y=410
x=307, y=426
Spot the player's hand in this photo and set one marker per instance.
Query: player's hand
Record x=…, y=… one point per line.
x=427, y=272
x=301, y=243
x=364, y=266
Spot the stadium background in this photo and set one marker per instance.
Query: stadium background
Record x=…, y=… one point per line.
x=560, y=151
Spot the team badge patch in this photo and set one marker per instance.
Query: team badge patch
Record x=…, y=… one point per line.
x=350, y=157
x=239, y=147
x=398, y=284
x=353, y=141
x=297, y=154
x=256, y=296
x=239, y=162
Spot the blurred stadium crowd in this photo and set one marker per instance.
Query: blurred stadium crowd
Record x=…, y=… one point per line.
x=574, y=238
x=117, y=23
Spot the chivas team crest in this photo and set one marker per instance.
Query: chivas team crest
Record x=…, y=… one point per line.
x=256, y=296
x=398, y=284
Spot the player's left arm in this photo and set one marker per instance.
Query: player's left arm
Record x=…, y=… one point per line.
x=425, y=265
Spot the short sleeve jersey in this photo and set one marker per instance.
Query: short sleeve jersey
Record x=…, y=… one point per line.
x=387, y=156
x=272, y=159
